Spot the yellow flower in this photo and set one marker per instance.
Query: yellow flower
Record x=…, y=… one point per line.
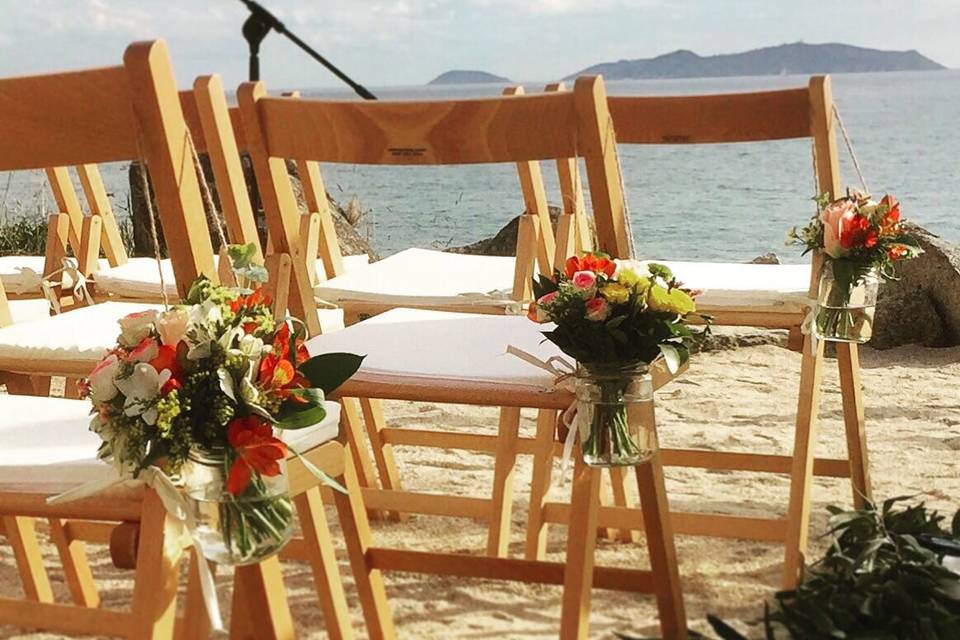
x=673, y=301
x=615, y=293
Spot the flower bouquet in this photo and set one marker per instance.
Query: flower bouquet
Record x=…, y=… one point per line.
x=199, y=391
x=614, y=318
x=861, y=240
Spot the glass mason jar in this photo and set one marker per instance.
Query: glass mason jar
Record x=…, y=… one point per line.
x=614, y=411
x=236, y=530
x=846, y=315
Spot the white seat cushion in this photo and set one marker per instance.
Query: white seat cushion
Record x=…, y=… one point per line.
x=79, y=336
x=419, y=277
x=139, y=278
x=47, y=442
x=27, y=310
x=730, y=285
x=444, y=345
x=16, y=281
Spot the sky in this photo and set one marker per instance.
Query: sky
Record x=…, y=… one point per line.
x=408, y=42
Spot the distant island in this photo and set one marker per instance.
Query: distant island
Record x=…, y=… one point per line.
x=796, y=58
x=460, y=76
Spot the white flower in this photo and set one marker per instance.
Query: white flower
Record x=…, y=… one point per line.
x=136, y=326
x=250, y=346
x=141, y=389
x=172, y=326
x=102, y=388
x=199, y=334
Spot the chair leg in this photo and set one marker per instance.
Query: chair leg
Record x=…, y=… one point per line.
x=382, y=451
x=323, y=562
x=848, y=360
x=22, y=536
x=76, y=569
x=536, y=546
x=619, y=480
x=505, y=463
x=801, y=473
x=351, y=424
x=660, y=545
x=158, y=562
x=356, y=533
x=195, y=623
x=71, y=389
x=260, y=610
x=581, y=543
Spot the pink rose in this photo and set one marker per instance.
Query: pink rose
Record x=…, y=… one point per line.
x=146, y=351
x=136, y=326
x=537, y=313
x=585, y=283
x=598, y=309
x=834, y=217
x=172, y=326
x=100, y=380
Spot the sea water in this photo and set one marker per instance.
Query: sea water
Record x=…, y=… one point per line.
x=705, y=202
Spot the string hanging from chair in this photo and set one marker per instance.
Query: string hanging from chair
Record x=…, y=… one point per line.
x=209, y=205
x=849, y=145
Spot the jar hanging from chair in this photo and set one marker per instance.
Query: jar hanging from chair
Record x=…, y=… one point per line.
x=845, y=314
x=615, y=414
x=236, y=529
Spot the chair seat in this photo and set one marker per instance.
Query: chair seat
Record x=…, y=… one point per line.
x=69, y=343
x=27, y=310
x=440, y=345
x=782, y=288
x=46, y=444
x=420, y=277
x=139, y=278
x=17, y=282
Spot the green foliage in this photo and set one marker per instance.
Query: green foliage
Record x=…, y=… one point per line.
x=882, y=578
x=328, y=371
x=23, y=235
x=243, y=264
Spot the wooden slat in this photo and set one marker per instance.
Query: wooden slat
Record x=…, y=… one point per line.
x=535, y=127
x=732, y=117
x=65, y=119
x=327, y=457
x=99, y=203
x=427, y=504
x=735, y=461
x=97, y=532
x=64, y=618
x=687, y=523
x=512, y=569
x=165, y=146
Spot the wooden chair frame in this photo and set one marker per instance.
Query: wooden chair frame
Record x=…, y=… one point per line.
x=748, y=117
x=133, y=111
x=463, y=132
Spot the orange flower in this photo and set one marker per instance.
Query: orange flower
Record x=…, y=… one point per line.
x=250, y=301
x=856, y=232
x=897, y=251
x=277, y=372
x=890, y=225
x=257, y=450
x=590, y=262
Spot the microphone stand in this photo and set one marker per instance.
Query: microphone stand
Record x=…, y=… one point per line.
x=259, y=24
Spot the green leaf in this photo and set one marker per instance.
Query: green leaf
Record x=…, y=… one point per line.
x=672, y=357
x=295, y=415
x=328, y=371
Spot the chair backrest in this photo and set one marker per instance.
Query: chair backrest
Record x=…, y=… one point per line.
x=110, y=115
x=513, y=129
x=206, y=113
x=805, y=112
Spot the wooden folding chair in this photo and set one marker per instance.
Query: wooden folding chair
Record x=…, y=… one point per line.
x=516, y=129
x=132, y=111
x=770, y=296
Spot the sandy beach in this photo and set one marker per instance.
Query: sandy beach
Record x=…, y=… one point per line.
x=742, y=400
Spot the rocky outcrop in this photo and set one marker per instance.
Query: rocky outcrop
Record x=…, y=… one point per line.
x=923, y=306
x=351, y=241
x=504, y=243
